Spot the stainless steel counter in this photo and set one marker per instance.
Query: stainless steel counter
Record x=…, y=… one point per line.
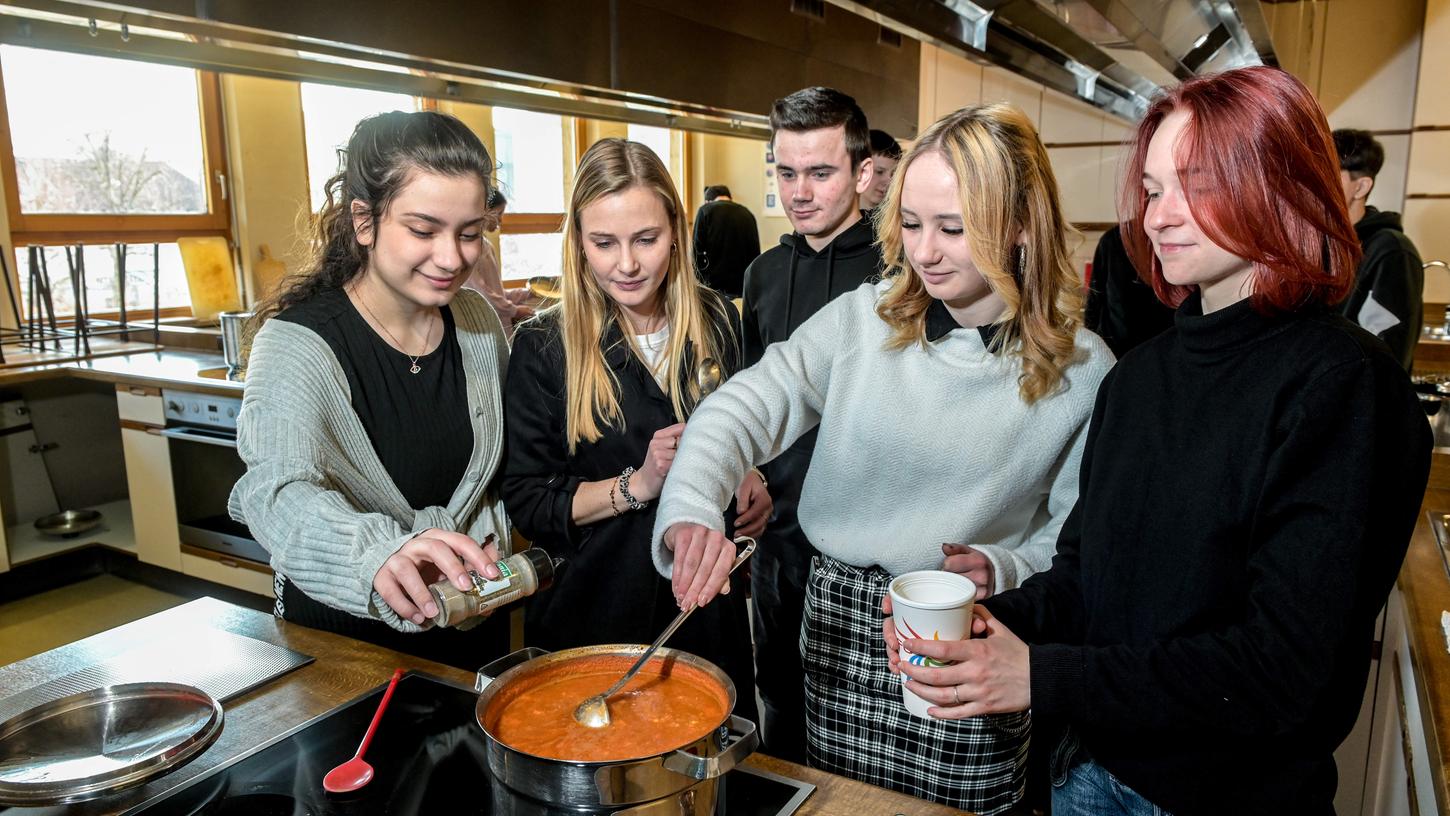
x=167, y=368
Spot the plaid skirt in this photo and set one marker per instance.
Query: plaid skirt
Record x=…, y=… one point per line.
x=858, y=726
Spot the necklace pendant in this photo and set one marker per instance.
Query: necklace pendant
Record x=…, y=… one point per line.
x=415, y=369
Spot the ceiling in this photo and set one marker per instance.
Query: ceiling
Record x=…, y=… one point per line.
x=1112, y=53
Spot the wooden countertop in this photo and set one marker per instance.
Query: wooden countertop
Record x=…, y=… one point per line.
x=344, y=669
x=163, y=368
x=1426, y=589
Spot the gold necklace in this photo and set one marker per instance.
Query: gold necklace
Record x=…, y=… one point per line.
x=412, y=358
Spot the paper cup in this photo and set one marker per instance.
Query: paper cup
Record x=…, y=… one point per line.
x=930, y=605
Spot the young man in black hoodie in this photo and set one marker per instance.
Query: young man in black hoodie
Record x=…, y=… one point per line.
x=823, y=164
x=1388, y=296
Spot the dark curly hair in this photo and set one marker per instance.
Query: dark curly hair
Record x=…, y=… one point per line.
x=376, y=163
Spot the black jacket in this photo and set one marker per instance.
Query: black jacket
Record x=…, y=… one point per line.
x=608, y=590
x=791, y=282
x=1122, y=308
x=1248, y=488
x=1392, y=274
x=726, y=241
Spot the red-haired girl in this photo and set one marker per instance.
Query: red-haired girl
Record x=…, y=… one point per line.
x=1250, y=481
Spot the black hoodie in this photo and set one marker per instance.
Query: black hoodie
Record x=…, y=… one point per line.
x=1391, y=273
x=789, y=283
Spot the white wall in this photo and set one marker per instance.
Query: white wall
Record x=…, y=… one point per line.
x=1083, y=142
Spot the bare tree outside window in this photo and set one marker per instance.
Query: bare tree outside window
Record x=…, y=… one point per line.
x=128, y=139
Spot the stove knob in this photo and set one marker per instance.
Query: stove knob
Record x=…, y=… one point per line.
x=231, y=413
x=173, y=407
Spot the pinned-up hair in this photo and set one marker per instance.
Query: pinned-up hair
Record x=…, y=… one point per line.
x=380, y=158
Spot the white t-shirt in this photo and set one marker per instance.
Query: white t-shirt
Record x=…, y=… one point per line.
x=652, y=349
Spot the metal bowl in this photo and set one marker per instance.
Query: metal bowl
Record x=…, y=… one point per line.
x=68, y=523
x=545, y=287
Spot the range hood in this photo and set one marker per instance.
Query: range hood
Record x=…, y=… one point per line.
x=1114, y=54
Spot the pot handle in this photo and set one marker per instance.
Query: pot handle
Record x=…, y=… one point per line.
x=709, y=767
x=487, y=674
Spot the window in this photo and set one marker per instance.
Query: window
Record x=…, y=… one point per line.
x=527, y=255
x=101, y=149
x=655, y=138
x=530, y=151
x=330, y=113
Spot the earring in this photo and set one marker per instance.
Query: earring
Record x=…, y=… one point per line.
x=1021, y=263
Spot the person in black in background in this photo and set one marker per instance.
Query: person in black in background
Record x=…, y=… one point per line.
x=726, y=241
x=1121, y=308
x=1388, y=296
x=885, y=153
x=823, y=164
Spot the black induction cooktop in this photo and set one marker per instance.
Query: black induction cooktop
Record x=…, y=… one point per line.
x=430, y=758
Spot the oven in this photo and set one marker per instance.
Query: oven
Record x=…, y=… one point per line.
x=201, y=431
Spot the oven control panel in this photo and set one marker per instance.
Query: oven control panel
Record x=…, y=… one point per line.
x=204, y=410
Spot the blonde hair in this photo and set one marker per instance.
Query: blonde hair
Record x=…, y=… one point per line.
x=586, y=312
x=1007, y=190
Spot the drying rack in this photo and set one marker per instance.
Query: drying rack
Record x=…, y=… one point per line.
x=39, y=330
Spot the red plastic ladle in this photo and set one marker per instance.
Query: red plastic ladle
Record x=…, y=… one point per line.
x=354, y=773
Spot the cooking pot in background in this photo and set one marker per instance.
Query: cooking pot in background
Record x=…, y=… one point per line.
x=1435, y=399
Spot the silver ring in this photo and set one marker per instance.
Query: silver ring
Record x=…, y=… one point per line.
x=956, y=696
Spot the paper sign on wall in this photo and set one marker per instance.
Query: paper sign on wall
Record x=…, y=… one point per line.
x=772, y=188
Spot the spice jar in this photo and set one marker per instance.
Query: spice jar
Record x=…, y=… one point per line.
x=520, y=575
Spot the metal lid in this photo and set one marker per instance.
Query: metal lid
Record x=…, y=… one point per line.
x=100, y=741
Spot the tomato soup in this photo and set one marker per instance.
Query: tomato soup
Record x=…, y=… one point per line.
x=667, y=705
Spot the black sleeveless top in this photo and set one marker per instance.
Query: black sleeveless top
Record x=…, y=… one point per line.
x=418, y=423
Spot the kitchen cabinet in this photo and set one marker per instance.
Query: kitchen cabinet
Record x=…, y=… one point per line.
x=1399, y=774
x=217, y=568
x=148, y=476
x=154, y=492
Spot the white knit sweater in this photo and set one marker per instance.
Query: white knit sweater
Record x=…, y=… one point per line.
x=917, y=447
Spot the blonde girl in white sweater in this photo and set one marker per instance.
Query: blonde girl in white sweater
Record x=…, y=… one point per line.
x=952, y=400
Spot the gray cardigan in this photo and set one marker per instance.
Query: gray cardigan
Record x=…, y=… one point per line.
x=315, y=494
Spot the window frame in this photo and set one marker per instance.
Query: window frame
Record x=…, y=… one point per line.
x=51, y=229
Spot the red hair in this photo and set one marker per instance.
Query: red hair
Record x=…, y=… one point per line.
x=1270, y=191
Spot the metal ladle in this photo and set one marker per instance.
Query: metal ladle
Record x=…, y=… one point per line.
x=594, y=711
x=708, y=376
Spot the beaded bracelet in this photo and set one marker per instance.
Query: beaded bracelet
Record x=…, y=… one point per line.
x=634, y=504
x=612, y=505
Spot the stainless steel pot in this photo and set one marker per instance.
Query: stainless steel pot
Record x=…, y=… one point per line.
x=1434, y=396
x=692, y=769
x=232, y=324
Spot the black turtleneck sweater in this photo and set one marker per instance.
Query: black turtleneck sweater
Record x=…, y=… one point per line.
x=1248, y=489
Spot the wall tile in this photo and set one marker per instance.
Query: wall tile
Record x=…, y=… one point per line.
x=1429, y=162
x=999, y=85
x=1065, y=119
x=1427, y=223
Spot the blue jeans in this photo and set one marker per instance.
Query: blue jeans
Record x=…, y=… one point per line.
x=1089, y=790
